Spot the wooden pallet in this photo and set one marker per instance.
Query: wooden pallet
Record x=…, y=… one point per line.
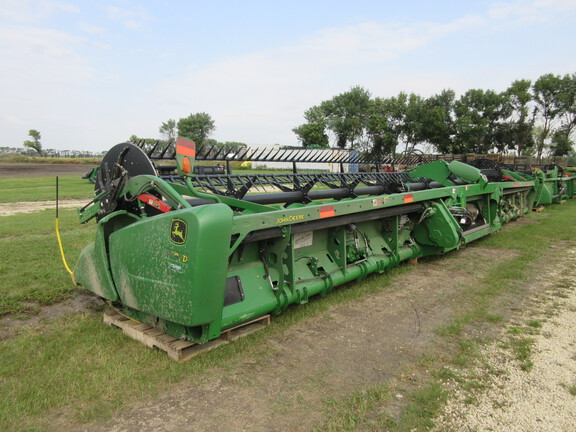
x=179, y=350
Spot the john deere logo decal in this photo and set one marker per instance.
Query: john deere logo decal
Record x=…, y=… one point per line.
x=178, y=231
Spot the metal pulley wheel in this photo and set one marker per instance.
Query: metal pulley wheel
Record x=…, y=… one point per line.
x=121, y=163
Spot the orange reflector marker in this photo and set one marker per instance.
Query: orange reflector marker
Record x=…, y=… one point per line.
x=186, y=166
x=327, y=211
x=185, y=147
x=408, y=198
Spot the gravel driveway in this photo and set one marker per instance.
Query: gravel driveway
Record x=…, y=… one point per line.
x=543, y=398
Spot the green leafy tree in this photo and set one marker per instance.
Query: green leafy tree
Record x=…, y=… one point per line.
x=34, y=144
x=413, y=126
x=196, y=127
x=346, y=116
x=146, y=144
x=437, y=122
x=561, y=144
x=386, y=116
x=168, y=129
x=313, y=133
x=526, y=118
x=469, y=126
x=546, y=90
x=515, y=132
x=563, y=138
x=478, y=116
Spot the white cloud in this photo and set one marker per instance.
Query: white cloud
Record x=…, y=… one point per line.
x=314, y=57
x=277, y=85
x=131, y=24
x=32, y=53
x=90, y=28
x=131, y=18
x=30, y=11
x=49, y=82
x=66, y=7
x=527, y=11
x=117, y=13
x=15, y=120
x=41, y=79
x=268, y=91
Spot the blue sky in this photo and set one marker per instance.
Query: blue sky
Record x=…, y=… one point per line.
x=89, y=74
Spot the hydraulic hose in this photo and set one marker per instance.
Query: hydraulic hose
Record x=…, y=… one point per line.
x=60, y=240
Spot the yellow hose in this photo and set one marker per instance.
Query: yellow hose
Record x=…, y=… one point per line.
x=60, y=240
x=120, y=313
x=62, y=252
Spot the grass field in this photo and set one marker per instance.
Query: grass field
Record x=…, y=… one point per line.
x=72, y=369
x=31, y=273
x=44, y=188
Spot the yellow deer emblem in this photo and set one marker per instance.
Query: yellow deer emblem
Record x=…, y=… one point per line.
x=178, y=231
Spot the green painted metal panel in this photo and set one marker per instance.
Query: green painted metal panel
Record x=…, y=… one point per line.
x=438, y=228
x=172, y=265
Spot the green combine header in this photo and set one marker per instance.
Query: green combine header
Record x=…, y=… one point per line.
x=193, y=255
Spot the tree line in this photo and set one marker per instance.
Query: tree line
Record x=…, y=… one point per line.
x=33, y=147
x=52, y=153
x=197, y=127
x=528, y=118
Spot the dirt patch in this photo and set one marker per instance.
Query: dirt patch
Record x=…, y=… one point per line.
x=38, y=170
x=82, y=301
x=349, y=348
x=8, y=209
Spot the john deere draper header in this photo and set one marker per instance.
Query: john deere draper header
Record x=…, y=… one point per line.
x=194, y=255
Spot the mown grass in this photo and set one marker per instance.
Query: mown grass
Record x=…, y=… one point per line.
x=44, y=188
x=31, y=270
x=530, y=243
x=79, y=368
x=40, y=223
x=352, y=410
